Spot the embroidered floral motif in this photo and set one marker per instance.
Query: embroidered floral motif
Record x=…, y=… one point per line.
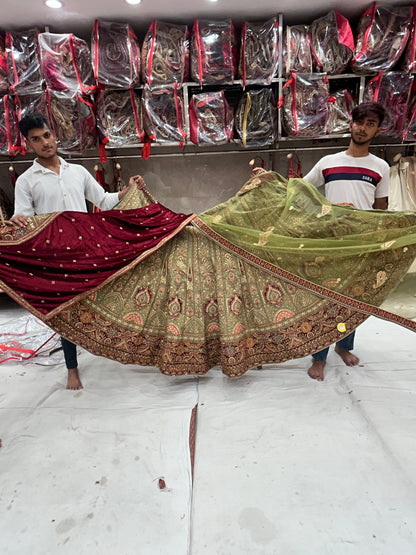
x=387, y=245
x=306, y=326
x=381, y=279
x=263, y=237
x=134, y=317
x=235, y=305
x=175, y=307
x=143, y=297
x=211, y=308
x=273, y=294
x=326, y=209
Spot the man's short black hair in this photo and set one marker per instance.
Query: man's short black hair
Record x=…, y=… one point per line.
x=32, y=121
x=366, y=109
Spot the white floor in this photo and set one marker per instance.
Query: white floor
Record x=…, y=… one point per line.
x=283, y=464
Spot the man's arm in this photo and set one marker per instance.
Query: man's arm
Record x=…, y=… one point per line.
x=96, y=194
x=23, y=203
x=315, y=176
x=381, y=203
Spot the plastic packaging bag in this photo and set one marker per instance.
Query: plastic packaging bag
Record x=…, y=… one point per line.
x=66, y=64
x=4, y=82
x=9, y=130
x=297, y=55
x=383, y=32
x=165, y=54
x=332, y=43
x=256, y=118
x=163, y=113
x=259, y=52
x=23, y=64
x=392, y=90
x=210, y=119
x=115, y=55
x=73, y=122
x=305, y=105
x=213, y=52
x=119, y=118
x=341, y=104
x=28, y=340
x=409, y=58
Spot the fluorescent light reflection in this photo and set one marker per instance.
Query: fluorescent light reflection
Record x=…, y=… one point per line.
x=55, y=4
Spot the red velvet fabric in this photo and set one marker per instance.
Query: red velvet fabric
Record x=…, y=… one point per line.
x=75, y=252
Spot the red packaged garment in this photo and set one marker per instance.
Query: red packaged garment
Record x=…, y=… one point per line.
x=210, y=119
x=119, y=118
x=115, y=54
x=163, y=113
x=383, y=32
x=259, y=52
x=409, y=58
x=23, y=64
x=409, y=132
x=256, y=118
x=296, y=51
x=305, y=103
x=65, y=62
x=72, y=120
x=341, y=104
x=391, y=90
x=9, y=130
x=213, y=52
x=165, y=54
x=332, y=43
x=4, y=82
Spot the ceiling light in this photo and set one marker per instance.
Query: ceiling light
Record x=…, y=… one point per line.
x=54, y=4
x=133, y=1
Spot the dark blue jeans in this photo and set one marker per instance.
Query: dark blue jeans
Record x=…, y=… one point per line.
x=346, y=343
x=70, y=353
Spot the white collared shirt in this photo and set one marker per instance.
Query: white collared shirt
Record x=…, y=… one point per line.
x=41, y=191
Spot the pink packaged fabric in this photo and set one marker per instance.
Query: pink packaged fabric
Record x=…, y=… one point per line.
x=409, y=132
x=256, y=118
x=163, y=113
x=9, y=130
x=392, y=90
x=296, y=51
x=332, y=43
x=119, y=118
x=23, y=64
x=383, y=32
x=115, y=54
x=210, y=119
x=409, y=58
x=66, y=64
x=259, y=52
x=4, y=82
x=213, y=52
x=72, y=120
x=305, y=105
x=165, y=54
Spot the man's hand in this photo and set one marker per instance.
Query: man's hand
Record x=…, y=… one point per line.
x=20, y=220
x=132, y=182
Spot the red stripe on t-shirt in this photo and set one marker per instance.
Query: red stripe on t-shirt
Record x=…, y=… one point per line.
x=352, y=170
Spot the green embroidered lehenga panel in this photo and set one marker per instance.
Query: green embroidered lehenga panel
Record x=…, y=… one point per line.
x=274, y=273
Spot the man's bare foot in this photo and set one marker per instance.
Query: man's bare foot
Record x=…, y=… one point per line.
x=316, y=371
x=347, y=356
x=73, y=379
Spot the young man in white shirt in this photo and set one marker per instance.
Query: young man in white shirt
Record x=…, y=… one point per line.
x=53, y=185
x=354, y=177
